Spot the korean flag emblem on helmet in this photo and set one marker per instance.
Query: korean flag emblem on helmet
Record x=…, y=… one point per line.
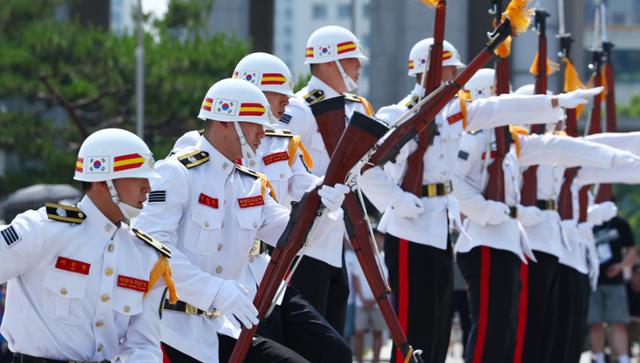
x=253, y=77
x=97, y=164
x=226, y=107
x=324, y=50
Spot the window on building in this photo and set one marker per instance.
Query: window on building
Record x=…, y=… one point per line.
x=344, y=11
x=319, y=11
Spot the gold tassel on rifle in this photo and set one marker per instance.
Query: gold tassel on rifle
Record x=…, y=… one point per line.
x=162, y=268
x=463, y=98
x=519, y=16
x=572, y=81
x=552, y=66
x=264, y=181
x=296, y=144
x=516, y=131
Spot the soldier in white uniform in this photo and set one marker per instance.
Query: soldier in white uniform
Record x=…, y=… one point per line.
x=212, y=211
x=417, y=249
x=284, y=159
x=334, y=55
x=82, y=285
x=494, y=242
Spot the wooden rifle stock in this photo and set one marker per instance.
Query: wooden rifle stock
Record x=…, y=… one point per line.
x=389, y=149
x=358, y=232
x=529, y=190
x=412, y=181
x=329, y=115
x=359, y=137
x=605, y=192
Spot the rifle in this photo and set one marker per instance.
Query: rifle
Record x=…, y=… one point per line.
x=358, y=232
x=366, y=131
x=412, y=181
x=530, y=178
x=329, y=115
x=515, y=20
x=565, y=199
x=596, y=112
x=495, y=186
x=605, y=192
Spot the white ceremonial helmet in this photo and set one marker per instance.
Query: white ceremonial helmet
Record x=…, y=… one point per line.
x=236, y=100
x=110, y=154
x=267, y=72
x=113, y=154
x=421, y=51
x=331, y=43
x=481, y=84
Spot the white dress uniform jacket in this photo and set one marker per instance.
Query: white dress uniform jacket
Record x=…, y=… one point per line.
x=430, y=228
x=272, y=159
x=326, y=244
x=75, y=289
x=471, y=178
x=211, y=212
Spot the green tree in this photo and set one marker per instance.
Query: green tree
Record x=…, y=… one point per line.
x=60, y=81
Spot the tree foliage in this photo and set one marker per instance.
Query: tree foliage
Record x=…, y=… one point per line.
x=60, y=80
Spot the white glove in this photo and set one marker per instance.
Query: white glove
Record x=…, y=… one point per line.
x=232, y=301
x=529, y=215
x=578, y=97
x=497, y=212
x=625, y=158
x=602, y=212
x=408, y=206
x=332, y=197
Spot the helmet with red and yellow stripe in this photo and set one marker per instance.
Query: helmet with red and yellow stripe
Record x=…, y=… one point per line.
x=267, y=72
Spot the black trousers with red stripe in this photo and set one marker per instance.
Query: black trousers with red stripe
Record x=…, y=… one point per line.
x=261, y=350
x=493, y=287
x=537, y=310
x=421, y=278
x=573, y=304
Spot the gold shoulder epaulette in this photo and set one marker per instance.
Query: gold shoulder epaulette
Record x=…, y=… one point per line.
x=64, y=213
x=193, y=159
x=164, y=250
x=278, y=133
x=247, y=171
x=352, y=97
x=412, y=102
x=314, y=96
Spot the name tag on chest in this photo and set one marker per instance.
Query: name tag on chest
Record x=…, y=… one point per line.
x=132, y=283
x=71, y=265
x=251, y=201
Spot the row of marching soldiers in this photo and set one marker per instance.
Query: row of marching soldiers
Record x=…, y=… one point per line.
x=161, y=261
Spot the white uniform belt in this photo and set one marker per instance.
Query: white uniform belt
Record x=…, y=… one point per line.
x=437, y=189
x=189, y=309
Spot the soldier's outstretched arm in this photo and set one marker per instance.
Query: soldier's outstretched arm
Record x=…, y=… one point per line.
x=629, y=141
x=567, y=151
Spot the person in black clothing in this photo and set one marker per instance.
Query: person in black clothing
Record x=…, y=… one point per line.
x=608, y=304
x=633, y=297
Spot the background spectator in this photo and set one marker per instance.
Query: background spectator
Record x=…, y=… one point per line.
x=608, y=304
